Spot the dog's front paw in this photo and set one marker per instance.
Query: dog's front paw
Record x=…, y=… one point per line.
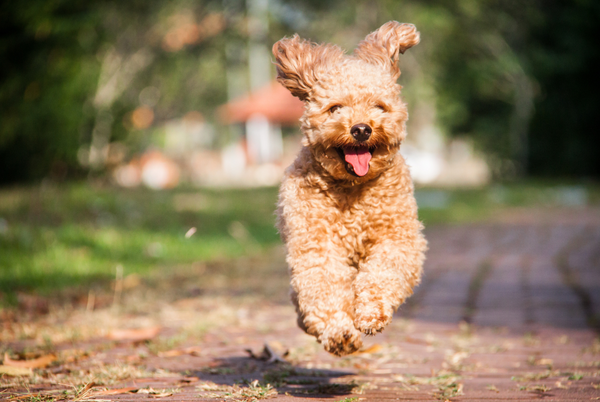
x=340, y=336
x=371, y=318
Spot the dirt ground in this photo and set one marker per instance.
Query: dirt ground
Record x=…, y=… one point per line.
x=508, y=310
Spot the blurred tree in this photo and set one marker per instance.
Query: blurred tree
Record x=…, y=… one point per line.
x=519, y=78
x=484, y=88
x=47, y=71
x=73, y=73
x=565, y=55
x=516, y=77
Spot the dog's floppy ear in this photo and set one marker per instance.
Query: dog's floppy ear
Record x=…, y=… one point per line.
x=383, y=46
x=300, y=63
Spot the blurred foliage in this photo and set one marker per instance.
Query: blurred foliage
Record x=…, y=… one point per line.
x=55, y=54
x=516, y=77
x=45, y=78
x=564, y=63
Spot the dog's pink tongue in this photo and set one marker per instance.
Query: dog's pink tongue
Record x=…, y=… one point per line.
x=359, y=159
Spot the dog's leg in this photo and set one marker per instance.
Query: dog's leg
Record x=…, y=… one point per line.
x=322, y=292
x=385, y=279
x=321, y=277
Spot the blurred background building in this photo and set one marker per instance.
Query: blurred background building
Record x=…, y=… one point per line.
x=165, y=93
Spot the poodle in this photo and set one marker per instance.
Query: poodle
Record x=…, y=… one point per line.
x=346, y=208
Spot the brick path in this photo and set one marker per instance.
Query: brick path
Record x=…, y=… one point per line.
x=507, y=311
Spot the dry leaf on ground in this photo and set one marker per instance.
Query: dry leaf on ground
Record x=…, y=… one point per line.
x=371, y=349
x=268, y=355
x=40, y=362
x=417, y=341
x=84, y=393
x=133, y=335
x=192, y=350
x=189, y=380
x=114, y=391
x=154, y=393
x=15, y=371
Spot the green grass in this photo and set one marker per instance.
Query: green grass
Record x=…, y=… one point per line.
x=53, y=237
x=74, y=235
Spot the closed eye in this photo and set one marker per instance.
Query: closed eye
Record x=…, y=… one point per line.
x=381, y=107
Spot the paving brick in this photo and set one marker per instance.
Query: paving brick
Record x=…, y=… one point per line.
x=528, y=286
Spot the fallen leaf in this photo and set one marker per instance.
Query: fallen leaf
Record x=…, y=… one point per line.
x=208, y=386
x=189, y=379
x=154, y=393
x=171, y=353
x=268, y=355
x=417, y=341
x=558, y=384
x=114, y=391
x=192, y=350
x=15, y=371
x=161, y=395
x=84, y=393
x=40, y=362
x=133, y=335
x=371, y=349
x=32, y=397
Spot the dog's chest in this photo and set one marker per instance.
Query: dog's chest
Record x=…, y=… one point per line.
x=360, y=224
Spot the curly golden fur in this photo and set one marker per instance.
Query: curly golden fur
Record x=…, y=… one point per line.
x=346, y=207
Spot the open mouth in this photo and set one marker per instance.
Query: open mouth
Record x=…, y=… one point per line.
x=357, y=159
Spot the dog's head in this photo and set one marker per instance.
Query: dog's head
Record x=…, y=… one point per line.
x=354, y=120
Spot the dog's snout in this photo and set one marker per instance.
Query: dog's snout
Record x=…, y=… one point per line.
x=361, y=132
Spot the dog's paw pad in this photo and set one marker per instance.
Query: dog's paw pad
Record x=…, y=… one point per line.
x=340, y=337
x=341, y=344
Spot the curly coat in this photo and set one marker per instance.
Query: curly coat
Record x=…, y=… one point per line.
x=354, y=243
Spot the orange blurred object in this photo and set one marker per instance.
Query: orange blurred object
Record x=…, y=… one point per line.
x=186, y=32
x=153, y=169
x=158, y=171
x=142, y=117
x=274, y=102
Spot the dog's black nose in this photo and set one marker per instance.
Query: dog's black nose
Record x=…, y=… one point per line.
x=361, y=132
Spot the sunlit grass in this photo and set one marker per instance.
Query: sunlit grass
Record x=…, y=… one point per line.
x=77, y=235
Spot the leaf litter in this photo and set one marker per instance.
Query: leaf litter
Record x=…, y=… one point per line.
x=40, y=362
